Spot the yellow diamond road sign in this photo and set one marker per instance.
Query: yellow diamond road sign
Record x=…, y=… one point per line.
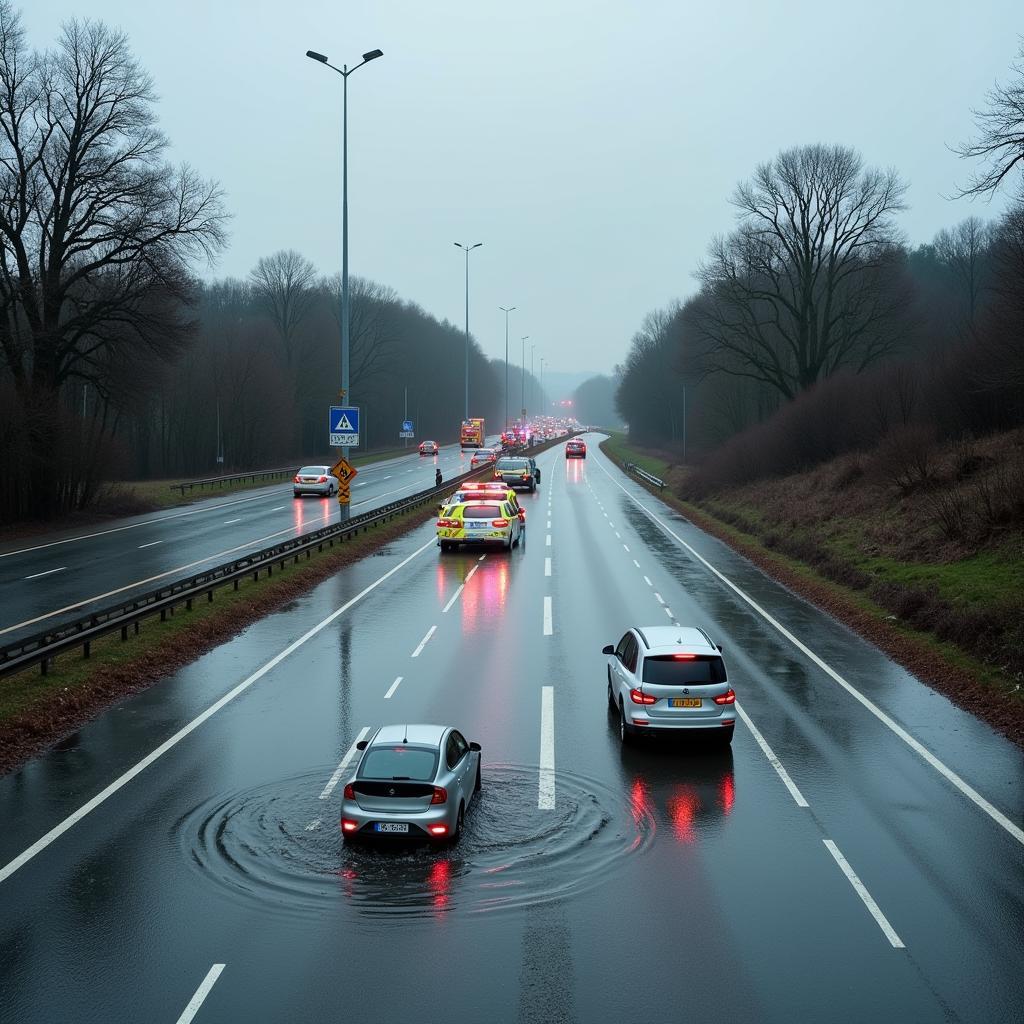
x=344, y=470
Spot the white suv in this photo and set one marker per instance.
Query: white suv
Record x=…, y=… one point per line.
x=670, y=678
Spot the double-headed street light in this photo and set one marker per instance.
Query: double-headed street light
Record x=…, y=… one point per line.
x=506, y=312
x=468, y=249
x=344, y=71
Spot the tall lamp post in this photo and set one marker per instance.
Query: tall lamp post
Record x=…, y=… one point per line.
x=344, y=71
x=533, y=383
x=506, y=312
x=522, y=408
x=542, y=386
x=468, y=249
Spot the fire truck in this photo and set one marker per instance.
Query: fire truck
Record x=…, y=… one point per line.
x=472, y=435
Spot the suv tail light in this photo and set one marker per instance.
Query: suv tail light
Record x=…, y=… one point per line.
x=638, y=697
x=440, y=795
x=350, y=793
x=499, y=523
x=729, y=697
x=448, y=523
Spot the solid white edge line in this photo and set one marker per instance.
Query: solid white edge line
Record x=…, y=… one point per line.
x=392, y=688
x=335, y=778
x=547, y=617
x=922, y=751
x=423, y=642
x=794, y=792
x=58, y=830
x=546, y=780
x=454, y=597
x=200, y=994
x=861, y=890
x=547, y=566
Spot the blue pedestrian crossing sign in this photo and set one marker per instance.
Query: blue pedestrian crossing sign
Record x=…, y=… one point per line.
x=343, y=426
x=407, y=425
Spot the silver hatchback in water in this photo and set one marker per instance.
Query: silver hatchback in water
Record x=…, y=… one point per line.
x=413, y=781
x=670, y=679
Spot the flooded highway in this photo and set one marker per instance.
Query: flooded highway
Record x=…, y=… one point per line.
x=855, y=855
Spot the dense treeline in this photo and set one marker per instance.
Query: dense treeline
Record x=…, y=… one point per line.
x=594, y=402
x=816, y=330
x=116, y=361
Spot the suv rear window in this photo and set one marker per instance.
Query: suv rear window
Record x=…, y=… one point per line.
x=668, y=670
x=481, y=512
x=512, y=464
x=416, y=763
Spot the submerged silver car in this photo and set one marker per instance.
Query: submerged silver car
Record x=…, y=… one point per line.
x=670, y=679
x=414, y=781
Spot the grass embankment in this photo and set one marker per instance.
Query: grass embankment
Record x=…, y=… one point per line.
x=150, y=495
x=36, y=710
x=950, y=608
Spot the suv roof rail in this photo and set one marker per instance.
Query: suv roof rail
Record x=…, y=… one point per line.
x=640, y=632
x=704, y=634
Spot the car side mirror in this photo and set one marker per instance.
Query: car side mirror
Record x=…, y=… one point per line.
x=362, y=745
x=608, y=649
x=476, y=747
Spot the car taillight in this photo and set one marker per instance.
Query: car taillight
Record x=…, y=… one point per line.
x=729, y=697
x=522, y=515
x=499, y=523
x=684, y=657
x=347, y=825
x=637, y=697
x=321, y=479
x=526, y=476
x=440, y=795
x=296, y=480
x=448, y=523
x=350, y=793
x=437, y=830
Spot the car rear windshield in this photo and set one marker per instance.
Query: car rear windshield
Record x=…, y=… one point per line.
x=669, y=670
x=481, y=512
x=399, y=762
x=512, y=464
x=312, y=471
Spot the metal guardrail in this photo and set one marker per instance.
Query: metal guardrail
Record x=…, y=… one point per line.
x=632, y=467
x=41, y=648
x=210, y=481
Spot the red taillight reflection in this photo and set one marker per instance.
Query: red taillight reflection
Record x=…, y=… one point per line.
x=440, y=795
x=349, y=792
x=729, y=697
x=638, y=697
x=727, y=793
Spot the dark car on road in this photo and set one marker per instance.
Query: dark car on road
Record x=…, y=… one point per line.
x=518, y=472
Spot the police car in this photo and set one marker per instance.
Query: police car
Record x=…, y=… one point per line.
x=482, y=520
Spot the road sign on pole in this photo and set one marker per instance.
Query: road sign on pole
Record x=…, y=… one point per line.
x=343, y=426
x=407, y=425
x=344, y=471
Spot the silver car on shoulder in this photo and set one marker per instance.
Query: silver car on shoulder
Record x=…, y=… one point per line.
x=314, y=480
x=415, y=781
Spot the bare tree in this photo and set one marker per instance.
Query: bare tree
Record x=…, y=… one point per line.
x=371, y=326
x=963, y=250
x=1000, y=141
x=801, y=287
x=284, y=286
x=97, y=232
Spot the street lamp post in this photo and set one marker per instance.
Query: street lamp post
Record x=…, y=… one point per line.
x=533, y=383
x=522, y=408
x=468, y=249
x=542, y=385
x=506, y=312
x=344, y=71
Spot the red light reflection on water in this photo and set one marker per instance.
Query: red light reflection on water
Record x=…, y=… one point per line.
x=682, y=807
x=640, y=808
x=438, y=880
x=727, y=792
x=573, y=470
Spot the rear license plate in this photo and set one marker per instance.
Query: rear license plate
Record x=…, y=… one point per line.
x=392, y=826
x=684, y=702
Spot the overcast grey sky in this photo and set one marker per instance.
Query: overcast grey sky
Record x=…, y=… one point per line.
x=591, y=146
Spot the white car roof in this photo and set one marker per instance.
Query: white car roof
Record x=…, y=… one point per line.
x=676, y=640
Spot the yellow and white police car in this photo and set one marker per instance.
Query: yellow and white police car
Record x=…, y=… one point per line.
x=481, y=520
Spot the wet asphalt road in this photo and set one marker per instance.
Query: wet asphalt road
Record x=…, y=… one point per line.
x=666, y=883
x=63, y=576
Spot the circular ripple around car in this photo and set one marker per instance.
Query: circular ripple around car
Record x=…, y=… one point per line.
x=262, y=844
